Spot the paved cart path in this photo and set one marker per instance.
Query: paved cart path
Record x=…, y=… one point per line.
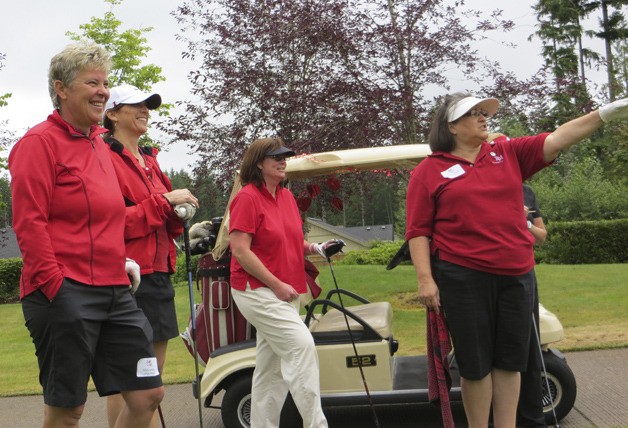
x=602, y=402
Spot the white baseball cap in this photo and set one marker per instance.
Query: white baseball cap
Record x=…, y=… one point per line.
x=128, y=94
x=457, y=110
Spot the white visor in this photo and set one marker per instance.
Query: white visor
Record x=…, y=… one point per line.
x=457, y=110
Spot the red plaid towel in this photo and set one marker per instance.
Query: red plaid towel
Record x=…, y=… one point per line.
x=438, y=375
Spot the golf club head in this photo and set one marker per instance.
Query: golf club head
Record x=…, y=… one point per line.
x=333, y=247
x=402, y=255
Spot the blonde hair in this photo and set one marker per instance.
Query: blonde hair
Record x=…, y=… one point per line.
x=75, y=57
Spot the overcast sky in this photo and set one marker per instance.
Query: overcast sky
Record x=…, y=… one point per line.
x=33, y=31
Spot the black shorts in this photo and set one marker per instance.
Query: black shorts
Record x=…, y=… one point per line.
x=155, y=296
x=87, y=330
x=488, y=316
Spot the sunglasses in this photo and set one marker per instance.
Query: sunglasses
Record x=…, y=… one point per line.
x=278, y=158
x=476, y=113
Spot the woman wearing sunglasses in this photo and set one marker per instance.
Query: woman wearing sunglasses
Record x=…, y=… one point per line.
x=470, y=244
x=267, y=277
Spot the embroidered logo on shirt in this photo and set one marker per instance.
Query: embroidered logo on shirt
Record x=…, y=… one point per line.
x=497, y=158
x=453, y=172
x=147, y=367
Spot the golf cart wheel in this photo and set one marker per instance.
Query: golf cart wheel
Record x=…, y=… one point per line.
x=562, y=387
x=236, y=404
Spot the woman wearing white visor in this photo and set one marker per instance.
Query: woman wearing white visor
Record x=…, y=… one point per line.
x=471, y=247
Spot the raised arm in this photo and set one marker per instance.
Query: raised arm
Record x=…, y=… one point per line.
x=578, y=129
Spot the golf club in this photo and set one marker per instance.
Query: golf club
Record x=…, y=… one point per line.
x=536, y=337
x=329, y=250
x=185, y=215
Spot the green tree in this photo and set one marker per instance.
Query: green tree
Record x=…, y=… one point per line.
x=579, y=189
x=127, y=49
x=6, y=136
x=212, y=196
x=6, y=216
x=561, y=33
x=613, y=30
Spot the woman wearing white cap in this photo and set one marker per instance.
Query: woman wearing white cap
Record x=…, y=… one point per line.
x=150, y=221
x=470, y=245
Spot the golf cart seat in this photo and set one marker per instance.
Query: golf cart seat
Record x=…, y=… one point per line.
x=378, y=315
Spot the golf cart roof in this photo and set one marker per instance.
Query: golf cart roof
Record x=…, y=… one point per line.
x=370, y=158
x=334, y=162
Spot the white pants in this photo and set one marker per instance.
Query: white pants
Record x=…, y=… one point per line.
x=286, y=359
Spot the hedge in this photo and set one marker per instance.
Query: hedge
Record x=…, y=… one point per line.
x=10, y=270
x=585, y=242
x=574, y=242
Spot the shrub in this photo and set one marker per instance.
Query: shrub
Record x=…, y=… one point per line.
x=10, y=271
x=380, y=253
x=582, y=193
x=578, y=242
x=574, y=242
x=181, y=274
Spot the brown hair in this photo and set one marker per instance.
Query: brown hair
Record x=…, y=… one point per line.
x=108, y=123
x=440, y=138
x=249, y=172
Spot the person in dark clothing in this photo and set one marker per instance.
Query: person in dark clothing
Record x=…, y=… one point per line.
x=530, y=408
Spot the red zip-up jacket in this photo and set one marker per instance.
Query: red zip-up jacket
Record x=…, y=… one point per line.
x=150, y=219
x=67, y=215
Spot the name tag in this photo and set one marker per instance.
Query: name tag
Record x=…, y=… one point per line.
x=147, y=367
x=453, y=172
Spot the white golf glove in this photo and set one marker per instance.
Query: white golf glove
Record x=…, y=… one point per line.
x=185, y=211
x=614, y=111
x=133, y=270
x=320, y=248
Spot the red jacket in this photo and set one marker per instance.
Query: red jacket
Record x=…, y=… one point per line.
x=68, y=218
x=151, y=224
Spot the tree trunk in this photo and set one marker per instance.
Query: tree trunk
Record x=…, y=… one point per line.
x=609, y=53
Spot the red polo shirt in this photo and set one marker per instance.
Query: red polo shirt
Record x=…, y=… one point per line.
x=473, y=212
x=276, y=226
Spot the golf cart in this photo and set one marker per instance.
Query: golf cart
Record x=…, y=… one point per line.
x=226, y=342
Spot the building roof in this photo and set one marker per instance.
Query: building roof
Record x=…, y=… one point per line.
x=362, y=234
x=8, y=244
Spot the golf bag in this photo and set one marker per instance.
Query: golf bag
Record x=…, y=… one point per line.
x=219, y=322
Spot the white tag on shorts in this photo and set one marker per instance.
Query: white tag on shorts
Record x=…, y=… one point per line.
x=453, y=172
x=147, y=367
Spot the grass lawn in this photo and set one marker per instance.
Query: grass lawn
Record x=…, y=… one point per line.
x=589, y=300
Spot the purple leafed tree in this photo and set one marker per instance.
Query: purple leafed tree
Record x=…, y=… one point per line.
x=323, y=75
